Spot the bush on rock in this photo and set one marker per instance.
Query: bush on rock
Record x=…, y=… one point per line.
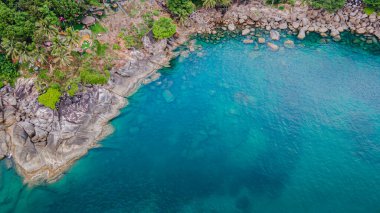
x=50, y=98
x=181, y=8
x=164, y=28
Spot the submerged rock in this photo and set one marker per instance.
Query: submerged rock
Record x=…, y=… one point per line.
x=289, y=44
x=261, y=40
x=245, y=32
x=248, y=41
x=168, y=96
x=272, y=46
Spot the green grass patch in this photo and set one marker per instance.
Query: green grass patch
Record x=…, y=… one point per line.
x=100, y=48
x=369, y=10
x=90, y=76
x=72, y=89
x=50, y=98
x=116, y=47
x=98, y=28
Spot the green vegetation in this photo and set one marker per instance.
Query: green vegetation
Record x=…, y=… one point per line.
x=214, y=3
x=181, y=8
x=73, y=87
x=8, y=71
x=156, y=12
x=164, y=28
x=132, y=38
x=38, y=38
x=98, y=28
x=369, y=10
x=100, y=48
x=330, y=5
x=374, y=4
x=91, y=76
x=116, y=47
x=50, y=98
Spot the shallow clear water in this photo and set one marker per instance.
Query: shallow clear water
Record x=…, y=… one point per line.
x=231, y=129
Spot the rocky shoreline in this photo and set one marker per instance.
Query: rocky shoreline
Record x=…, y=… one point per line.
x=44, y=143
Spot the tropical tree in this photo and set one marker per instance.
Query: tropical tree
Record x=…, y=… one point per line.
x=10, y=48
x=330, y=5
x=71, y=37
x=22, y=51
x=213, y=3
x=373, y=3
x=38, y=56
x=181, y=8
x=46, y=30
x=62, y=56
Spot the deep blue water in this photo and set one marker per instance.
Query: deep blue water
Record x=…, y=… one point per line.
x=233, y=129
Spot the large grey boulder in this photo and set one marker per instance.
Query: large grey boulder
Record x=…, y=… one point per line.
x=272, y=46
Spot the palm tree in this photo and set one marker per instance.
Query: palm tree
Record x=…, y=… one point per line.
x=62, y=56
x=209, y=3
x=39, y=56
x=10, y=49
x=71, y=38
x=22, y=52
x=45, y=29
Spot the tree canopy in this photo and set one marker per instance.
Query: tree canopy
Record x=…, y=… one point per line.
x=164, y=28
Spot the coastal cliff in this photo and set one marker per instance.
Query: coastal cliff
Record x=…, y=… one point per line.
x=44, y=143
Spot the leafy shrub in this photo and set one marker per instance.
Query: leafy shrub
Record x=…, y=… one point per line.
x=156, y=12
x=50, y=98
x=72, y=89
x=148, y=19
x=98, y=28
x=130, y=41
x=56, y=86
x=116, y=47
x=375, y=4
x=89, y=76
x=133, y=37
x=8, y=71
x=330, y=5
x=369, y=10
x=59, y=75
x=100, y=48
x=181, y=8
x=164, y=28
x=214, y=3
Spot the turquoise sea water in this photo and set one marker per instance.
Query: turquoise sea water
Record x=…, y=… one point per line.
x=233, y=129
